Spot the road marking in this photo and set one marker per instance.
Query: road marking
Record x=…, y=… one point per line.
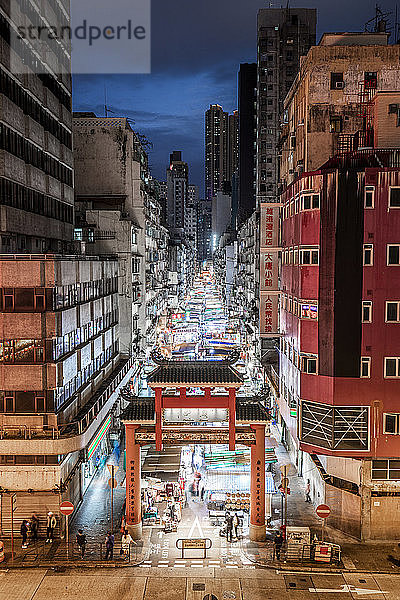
x=344, y=589
x=196, y=524
x=231, y=566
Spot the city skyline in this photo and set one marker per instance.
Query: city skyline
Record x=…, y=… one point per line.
x=168, y=105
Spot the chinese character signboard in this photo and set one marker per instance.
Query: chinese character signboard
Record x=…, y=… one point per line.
x=269, y=256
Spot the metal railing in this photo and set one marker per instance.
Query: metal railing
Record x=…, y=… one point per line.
x=60, y=551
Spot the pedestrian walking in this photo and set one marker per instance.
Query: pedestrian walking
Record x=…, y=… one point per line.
x=24, y=533
x=34, y=525
x=308, y=491
x=51, y=525
x=109, y=546
x=81, y=541
x=235, y=524
x=126, y=542
x=278, y=542
x=229, y=527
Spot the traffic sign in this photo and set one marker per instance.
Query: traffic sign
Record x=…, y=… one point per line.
x=113, y=469
x=323, y=511
x=112, y=482
x=66, y=508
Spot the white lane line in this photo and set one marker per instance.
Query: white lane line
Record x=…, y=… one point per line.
x=231, y=566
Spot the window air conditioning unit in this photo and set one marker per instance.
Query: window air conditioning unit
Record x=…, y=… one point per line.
x=339, y=85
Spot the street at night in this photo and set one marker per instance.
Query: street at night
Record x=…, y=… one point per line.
x=199, y=300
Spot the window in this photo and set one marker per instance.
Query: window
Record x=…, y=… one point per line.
x=368, y=251
x=367, y=311
x=393, y=254
x=392, y=366
x=335, y=125
x=309, y=201
x=391, y=423
x=386, y=469
x=309, y=364
x=365, y=366
x=336, y=81
x=394, y=197
x=369, y=197
x=309, y=257
x=370, y=80
x=392, y=312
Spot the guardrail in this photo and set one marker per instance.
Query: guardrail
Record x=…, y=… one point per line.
x=60, y=551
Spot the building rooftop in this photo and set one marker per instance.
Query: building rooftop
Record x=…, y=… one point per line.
x=192, y=373
x=361, y=38
x=248, y=410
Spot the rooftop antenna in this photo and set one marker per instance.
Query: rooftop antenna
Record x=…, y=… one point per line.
x=378, y=23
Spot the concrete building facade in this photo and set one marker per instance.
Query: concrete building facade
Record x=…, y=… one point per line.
x=116, y=201
x=36, y=176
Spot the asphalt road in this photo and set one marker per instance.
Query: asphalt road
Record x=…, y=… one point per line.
x=194, y=584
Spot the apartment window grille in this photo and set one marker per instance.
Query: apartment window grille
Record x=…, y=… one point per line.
x=368, y=255
x=367, y=311
x=392, y=313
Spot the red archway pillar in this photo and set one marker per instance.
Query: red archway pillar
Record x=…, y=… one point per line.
x=232, y=418
x=158, y=409
x=257, y=486
x=133, y=477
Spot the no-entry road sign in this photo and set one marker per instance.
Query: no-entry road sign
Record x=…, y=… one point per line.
x=66, y=508
x=323, y=511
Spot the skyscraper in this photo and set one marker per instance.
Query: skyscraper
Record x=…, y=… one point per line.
x=221, y=148
x=247, y=95
x=283, y=36
x=177, y=194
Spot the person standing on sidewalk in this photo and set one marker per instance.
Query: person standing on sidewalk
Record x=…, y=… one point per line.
x=229, y=527
x=51, y=524
x=24, y=533
x=81, y=541
x=34, y=523
x=308, y=491
x=126, y=542
x=109, y=546
x=235, y=525
x=278, y=542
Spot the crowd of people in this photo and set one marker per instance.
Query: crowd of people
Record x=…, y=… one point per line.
x=30, y=529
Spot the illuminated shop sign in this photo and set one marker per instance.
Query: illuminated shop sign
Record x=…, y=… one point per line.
x=214, y=436
x=195, y=415
x=97, y=440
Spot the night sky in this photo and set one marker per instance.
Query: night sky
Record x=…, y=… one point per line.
x=197, y=46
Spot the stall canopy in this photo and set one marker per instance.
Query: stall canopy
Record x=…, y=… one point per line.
x=163, y=465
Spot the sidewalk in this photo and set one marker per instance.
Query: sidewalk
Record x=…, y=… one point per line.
x=359, y=556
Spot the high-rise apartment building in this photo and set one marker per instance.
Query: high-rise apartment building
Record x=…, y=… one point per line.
x=247, y=95
x=283, y=36
x=221, y=148
x=116, y=201
x=191, y=215
x=177, y=195
x=36, y=176
x=339, y=313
